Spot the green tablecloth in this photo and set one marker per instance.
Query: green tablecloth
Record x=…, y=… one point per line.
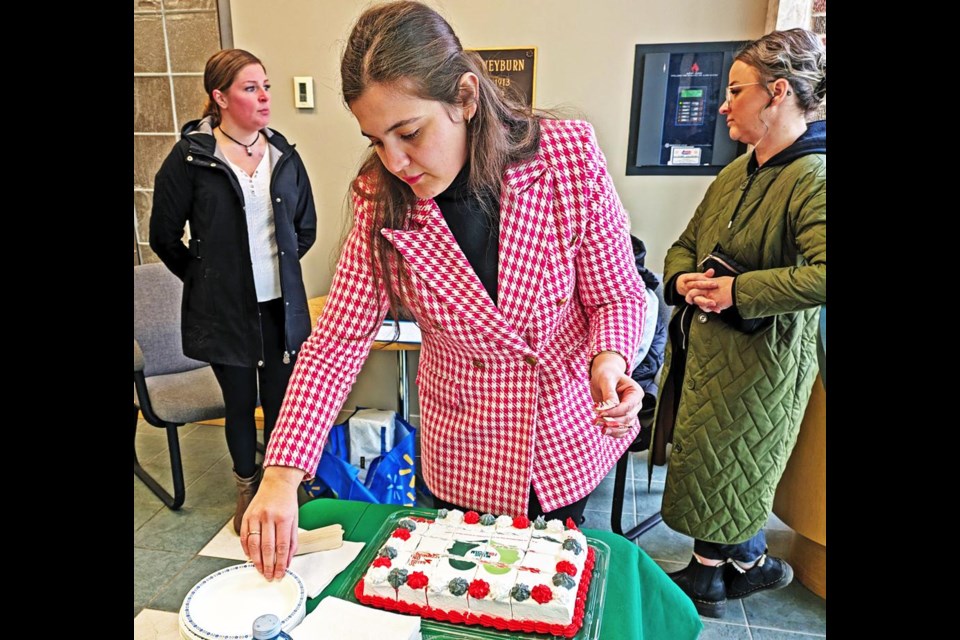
x=642, y=603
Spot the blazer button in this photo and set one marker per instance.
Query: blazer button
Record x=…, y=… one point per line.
x=213, y=164
x=561, y=302
x=189, y=158
x=278, y=198
x=260, y=363
x=530, y=360
x=437, y=327
x=478, y=364
x=691, y=384
x=574, y=238
x=702, y=318
x=677, y=448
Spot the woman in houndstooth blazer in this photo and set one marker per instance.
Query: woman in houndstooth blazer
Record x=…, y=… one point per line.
x=502, y=234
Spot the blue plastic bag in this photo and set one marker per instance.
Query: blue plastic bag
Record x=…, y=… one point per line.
x=391, y=477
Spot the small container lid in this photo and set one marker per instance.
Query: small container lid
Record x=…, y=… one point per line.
x=266, y=627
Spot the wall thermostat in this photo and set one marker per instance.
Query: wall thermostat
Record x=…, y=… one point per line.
x=303, y=92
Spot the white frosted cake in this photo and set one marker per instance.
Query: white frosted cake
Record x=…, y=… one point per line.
x=500, y=572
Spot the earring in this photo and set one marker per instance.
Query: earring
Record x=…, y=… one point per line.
x=789, y=93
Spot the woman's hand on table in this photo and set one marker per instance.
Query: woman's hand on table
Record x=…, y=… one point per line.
x=268, y=533
x=618, y=397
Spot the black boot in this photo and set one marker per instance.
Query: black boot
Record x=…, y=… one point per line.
x=705, y=586
x=768, y=573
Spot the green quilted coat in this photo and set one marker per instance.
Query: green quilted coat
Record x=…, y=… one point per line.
x=743, y=395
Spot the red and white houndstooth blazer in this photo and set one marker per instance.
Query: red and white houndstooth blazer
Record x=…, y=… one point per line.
x=504, y=391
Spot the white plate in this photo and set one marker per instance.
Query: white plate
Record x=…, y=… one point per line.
x=224, y=605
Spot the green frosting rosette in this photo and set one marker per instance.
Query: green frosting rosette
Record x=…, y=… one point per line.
x=458, y=586
x=561, y=579
x=520, y=592
x=397, y=577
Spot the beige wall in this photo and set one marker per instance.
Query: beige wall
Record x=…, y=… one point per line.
x=585, y=65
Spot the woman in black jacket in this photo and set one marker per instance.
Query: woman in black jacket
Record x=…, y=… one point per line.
x=246, y=196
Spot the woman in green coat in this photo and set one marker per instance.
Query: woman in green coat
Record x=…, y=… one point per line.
x=747, y=276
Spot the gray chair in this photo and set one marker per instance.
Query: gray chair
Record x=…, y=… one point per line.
x=645, y=416
x=169, y=388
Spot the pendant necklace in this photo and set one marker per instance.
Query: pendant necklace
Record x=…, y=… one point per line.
x=248, y=147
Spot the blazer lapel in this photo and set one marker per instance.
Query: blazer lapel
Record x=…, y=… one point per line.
x=433, y=255
x=527, y=236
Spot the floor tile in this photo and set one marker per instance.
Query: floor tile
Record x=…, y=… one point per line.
x=713, y=630
x=214, y=489
x=161, y=471
x=149, y=442
x=773, y=522
x=640, y=468
x=670, y=566
x=602, y=496
x=211, y=432
x=663, y=543
x=779, y=541
x=156, y=625
x=647, y=501
x=145, y=509
x=793, y=608
x=186, y=530
x=773, y=634
x=172, y=595
x=195, y=455
x=595, y=519
x=152, y=570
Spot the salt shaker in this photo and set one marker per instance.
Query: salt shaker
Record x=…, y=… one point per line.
x=267, y=627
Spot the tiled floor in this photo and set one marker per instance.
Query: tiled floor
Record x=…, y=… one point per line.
x=166, y=543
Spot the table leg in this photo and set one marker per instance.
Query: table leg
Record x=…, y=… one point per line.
x=403, y=391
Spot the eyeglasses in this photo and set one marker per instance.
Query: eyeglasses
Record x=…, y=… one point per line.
x=731, y=96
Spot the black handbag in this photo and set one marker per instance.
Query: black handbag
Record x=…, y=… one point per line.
x=724, y=265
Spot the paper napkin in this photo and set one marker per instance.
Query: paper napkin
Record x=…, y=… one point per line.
x=336, y=619
x=318, y=569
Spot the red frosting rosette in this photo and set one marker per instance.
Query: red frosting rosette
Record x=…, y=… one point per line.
x=478, y=589
x=570, y=524
x=402, y=533
x=417, y=580
x=521, y=522
x=471, y=517
x=542, y=593
x=382, y=561
x=567, y=567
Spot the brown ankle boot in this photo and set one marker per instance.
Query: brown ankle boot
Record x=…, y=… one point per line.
x=246, y=489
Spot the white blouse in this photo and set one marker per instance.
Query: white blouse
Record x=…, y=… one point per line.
x=260, y=228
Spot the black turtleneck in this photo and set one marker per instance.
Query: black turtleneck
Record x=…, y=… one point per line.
x=474, y=231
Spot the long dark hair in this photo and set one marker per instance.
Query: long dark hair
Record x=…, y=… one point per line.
x=220, y=72
x=408, y=44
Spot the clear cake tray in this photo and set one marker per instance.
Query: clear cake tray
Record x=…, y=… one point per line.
x=436, y=630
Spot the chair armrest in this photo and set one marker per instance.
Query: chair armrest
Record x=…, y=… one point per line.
x=137, y=357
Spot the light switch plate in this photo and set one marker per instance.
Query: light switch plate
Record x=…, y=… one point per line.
x=303, y=92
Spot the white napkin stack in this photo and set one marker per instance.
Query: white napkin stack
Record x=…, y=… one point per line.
x=336, y=619
x=318, y=569
x=366, y=428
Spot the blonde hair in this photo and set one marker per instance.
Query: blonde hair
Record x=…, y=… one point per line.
x=796, y=55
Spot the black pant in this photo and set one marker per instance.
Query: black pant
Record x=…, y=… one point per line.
x=573, y=510
x=239, y=387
